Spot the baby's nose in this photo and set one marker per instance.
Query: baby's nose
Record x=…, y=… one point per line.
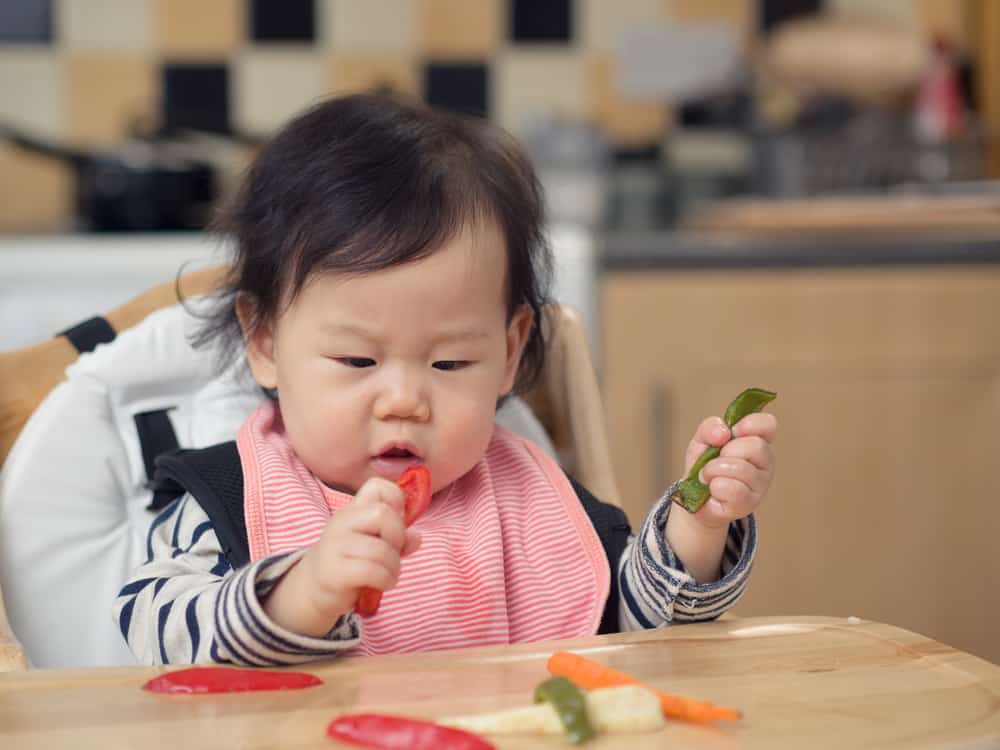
x=403, y=396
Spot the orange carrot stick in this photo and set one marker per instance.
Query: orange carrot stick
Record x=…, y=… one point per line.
x=589, y=675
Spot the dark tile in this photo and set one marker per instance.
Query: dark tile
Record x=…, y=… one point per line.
x=771, y=13
x=196, y=96
x=541, y=20
x=458, y=87
x=282, y=20
x=25, y=21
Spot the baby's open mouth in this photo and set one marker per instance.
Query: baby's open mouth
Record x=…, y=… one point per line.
x=393, y=461
x=397, y=453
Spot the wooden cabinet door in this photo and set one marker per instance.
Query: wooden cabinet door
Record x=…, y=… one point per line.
x=886, y=499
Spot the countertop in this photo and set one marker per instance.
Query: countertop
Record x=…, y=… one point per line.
x=638, y=251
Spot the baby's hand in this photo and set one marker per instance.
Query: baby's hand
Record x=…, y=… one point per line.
x=361, y=545
x=740, y=476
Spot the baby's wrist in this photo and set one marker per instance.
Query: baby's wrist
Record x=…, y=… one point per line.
x=697, y=546
x=298, y=604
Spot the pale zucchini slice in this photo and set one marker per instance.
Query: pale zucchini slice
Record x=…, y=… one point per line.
x=624, y=709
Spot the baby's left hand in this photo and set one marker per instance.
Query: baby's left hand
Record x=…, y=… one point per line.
x=740, y=476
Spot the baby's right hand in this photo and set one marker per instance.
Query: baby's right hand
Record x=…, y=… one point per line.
x=361, y=545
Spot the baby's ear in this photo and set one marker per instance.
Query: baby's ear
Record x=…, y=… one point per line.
x=518, y=331
x=258, y=337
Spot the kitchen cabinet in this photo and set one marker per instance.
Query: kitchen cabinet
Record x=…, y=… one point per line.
x=886, y=499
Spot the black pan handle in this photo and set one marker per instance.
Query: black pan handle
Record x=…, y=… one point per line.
x=40, y=146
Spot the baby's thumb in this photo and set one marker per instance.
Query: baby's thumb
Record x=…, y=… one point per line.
x=411, y=543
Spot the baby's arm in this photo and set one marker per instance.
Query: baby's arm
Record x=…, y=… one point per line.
x=684, y=567
x=187, y=605
x=738, y=479
x=655, y=587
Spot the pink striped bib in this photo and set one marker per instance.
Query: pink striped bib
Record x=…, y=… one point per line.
x=508, y=554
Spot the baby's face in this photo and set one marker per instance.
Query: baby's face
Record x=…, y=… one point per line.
x=379, y=372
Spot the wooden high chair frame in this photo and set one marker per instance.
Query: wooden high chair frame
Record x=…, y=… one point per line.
x=566, y=399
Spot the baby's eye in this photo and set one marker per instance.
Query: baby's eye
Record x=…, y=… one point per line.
x=356, y=361
x=450, y=364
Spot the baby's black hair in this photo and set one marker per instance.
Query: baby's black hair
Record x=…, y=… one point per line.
x=363, y=182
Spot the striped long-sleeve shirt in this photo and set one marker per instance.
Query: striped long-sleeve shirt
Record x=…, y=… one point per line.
x=187, y=605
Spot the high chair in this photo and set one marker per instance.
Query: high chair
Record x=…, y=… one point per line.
x=44, y=409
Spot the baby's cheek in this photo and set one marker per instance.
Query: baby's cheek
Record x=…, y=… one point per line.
x=464, y=440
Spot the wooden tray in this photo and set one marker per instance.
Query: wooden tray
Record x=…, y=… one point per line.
x=805, y=682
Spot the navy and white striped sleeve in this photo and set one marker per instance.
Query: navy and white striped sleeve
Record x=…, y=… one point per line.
x=655, y=588
x=186, y=605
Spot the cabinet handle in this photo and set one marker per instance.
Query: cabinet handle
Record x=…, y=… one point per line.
x=660, y=431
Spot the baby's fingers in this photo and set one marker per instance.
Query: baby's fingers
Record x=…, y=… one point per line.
x=711, y=432
x=761, y=424
x=753, y=449
x=381, y=491
x=743, y=472
x=412, y=543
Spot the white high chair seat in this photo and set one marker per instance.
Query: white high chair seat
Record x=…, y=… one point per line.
x=73, y=489
x=73, y=492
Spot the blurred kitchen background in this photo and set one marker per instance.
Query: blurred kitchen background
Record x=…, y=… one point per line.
x=795, y=194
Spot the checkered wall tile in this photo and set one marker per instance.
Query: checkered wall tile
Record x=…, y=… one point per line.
x=86, y=71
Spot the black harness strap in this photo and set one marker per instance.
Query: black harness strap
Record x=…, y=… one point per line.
x=156, y=437
x=214, y=476
x=612, y=527
x=87, y=335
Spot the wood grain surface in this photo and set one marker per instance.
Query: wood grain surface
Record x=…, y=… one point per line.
x=804, y=682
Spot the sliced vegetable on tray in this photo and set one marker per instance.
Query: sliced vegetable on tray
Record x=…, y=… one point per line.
x=385, y=732
x=570, y=706
x=625, y=709
x=200, y=680
x=590, y=675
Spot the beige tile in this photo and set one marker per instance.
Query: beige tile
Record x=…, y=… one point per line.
x=106, y=24
x=198, y=28
x=627, y=121
x=742, y=14
x=271, y=86
x=950, y=19
x=460, y=29
x=896, y=11
x=367, y=26
x=31, y=91
x=103, y=114
x=352, y=74
x=601, y=22
x=36, y=193
x=539, y=82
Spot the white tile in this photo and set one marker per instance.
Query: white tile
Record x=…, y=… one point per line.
x=539, y=83
x=31, y=92
x=105, y=24
x=899, y=11
x=369, y=25
x=601, y=22
x=273, y=85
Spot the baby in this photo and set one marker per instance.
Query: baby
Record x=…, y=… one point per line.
x=387, y=292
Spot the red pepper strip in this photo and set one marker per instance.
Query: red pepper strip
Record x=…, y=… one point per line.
x=198, y=680
x=416, y=485
x=398, y=733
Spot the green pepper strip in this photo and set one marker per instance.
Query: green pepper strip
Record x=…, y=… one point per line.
x=691, y=493
x=567, y=699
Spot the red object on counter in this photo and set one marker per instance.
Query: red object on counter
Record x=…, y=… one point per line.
x=416, y=485
x=385, y=732
x=199, y=680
